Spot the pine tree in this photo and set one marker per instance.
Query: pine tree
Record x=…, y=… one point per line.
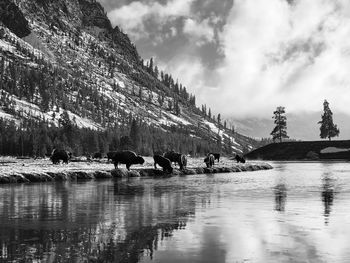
x=140, y=93
x=150, y=67
x=160, y=100
x=156, y=72
x=280, y=130
x=135, y=134
x=177, y=109
x=328, y=128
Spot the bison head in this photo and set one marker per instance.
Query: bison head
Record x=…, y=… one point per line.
x=139, y=160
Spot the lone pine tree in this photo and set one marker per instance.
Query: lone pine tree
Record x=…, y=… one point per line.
x=328, y=128
x=280, y=130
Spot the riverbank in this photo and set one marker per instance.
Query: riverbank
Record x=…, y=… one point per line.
x=307, y=150
x=14, y=170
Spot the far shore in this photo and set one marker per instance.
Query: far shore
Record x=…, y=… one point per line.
x=24, y=170
x=303, y=151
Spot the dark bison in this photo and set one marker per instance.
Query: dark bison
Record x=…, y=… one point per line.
x=97, y=155
x=175, y=157
x=162, y=162
x=128, y=158
x=209, y=160
x=216, y=156
x=58, y=155
x=239, y=159
x=110, y=155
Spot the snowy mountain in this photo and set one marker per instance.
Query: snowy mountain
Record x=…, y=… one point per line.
x=64, y=56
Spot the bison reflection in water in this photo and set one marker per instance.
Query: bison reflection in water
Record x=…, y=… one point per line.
x=126, y=223
x=143, y=241
x=280, y=197
x=327, y=195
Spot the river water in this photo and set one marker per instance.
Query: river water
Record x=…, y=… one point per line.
x=297, y=212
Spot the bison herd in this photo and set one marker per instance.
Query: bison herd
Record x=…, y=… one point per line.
x=129, y=158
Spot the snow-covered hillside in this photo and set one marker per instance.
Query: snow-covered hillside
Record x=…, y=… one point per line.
x=98, y=77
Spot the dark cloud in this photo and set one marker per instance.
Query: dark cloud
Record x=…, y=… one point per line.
x=206, y=8
x=307, y=48
x=110, y=4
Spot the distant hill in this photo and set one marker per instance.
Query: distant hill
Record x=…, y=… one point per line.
x=308, y=150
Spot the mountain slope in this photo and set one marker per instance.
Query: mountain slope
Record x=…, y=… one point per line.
x=69, y=59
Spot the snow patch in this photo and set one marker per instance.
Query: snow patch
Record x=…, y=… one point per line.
x=177, y=119
x=7, y=116
x=334, y=150
x=220, y=132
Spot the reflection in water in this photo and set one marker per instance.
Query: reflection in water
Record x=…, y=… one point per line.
x=327, y=194
x=202, y=218
x=84, y=222
x=280, y=189
x=280, y=197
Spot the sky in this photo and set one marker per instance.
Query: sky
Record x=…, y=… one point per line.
x=244, y=58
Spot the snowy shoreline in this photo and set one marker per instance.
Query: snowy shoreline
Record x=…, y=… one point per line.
x=29, y=170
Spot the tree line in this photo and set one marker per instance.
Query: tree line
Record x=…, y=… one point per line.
x=328, y=129
x=39, y=137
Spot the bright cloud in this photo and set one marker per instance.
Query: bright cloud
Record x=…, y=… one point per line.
x=202, y=31
x=280, y=54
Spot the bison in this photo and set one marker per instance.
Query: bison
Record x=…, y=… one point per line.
x=216, y=156
x=165, y=163
x=110, y=155
x=97, y=155
x=128, y=158
x=239, y=159
x=58, y=155
x=175, y=157
x=209, y=160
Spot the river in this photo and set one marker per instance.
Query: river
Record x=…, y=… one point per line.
x=297, y=212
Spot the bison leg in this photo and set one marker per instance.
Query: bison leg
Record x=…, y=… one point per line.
x=155, y=165
x=128, y=166
x=181, y=166
x=115, y=165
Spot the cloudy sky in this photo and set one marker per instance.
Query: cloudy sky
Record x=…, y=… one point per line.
x=244, y=58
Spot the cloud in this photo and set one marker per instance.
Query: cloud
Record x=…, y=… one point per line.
x=132, y=17
x=276, y=53
x=201, y=32
x=188, y=69
x=271, y=52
